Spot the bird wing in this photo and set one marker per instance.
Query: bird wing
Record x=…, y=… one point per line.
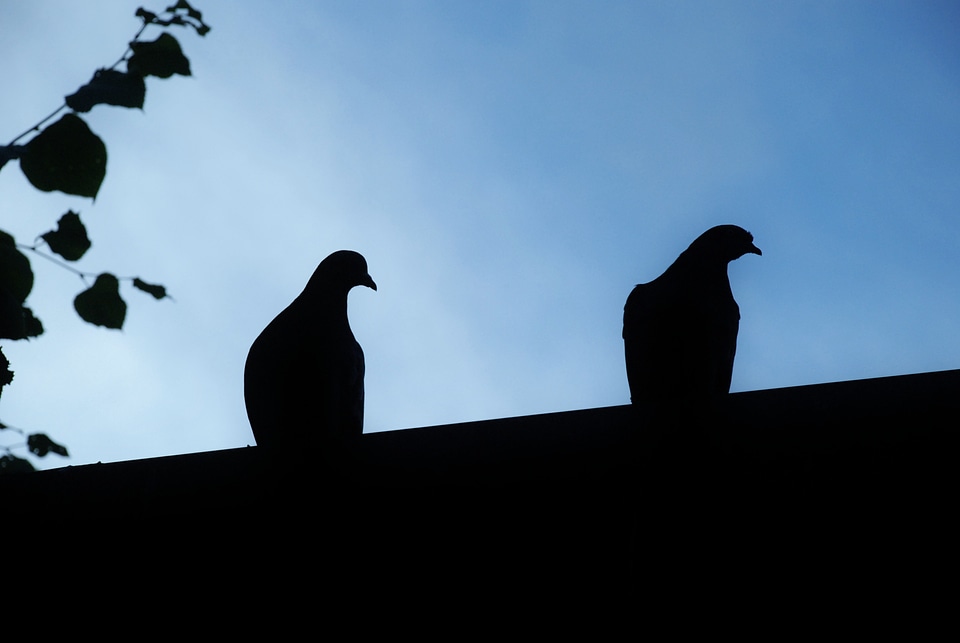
x=679, y=342
x=648, y=342
x=727, y=326
x=354, y=393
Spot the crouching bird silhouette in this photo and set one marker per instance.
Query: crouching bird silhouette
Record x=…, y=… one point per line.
x=303, y=379
x=680, y=330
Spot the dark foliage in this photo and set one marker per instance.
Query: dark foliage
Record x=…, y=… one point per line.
x=100, y=304
x=40, y=445
x=67, y=156
x=70, y=239
x=161, y=58
x=109, y=87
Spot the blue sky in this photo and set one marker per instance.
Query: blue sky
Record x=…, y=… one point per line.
x=510, y=170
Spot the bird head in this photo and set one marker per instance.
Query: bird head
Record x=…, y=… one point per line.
x=341, y=271
x=724, y=243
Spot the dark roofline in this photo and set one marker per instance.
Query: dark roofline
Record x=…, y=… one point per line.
x=818, y=420
x=801, y=484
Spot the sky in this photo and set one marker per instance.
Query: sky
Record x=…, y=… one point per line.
x=510, y=170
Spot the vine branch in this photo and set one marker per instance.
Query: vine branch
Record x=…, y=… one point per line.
x=149, y=18
x=35, y=250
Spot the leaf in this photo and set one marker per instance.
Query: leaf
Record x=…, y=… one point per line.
x=177, y=19
x=193, y=13
x=109, y=87
x=101, y=304
x=11, y=317
x=9, y=153
x=159, y=292
x=16, y=320
x=66, y=156
x=6, y=375
x=40, y=445
x=31, y=325
x=70, y=239
x=148, y=16
x=16, y=282
x=13, y=464
x=161, y=58
x=16, y=277
x=183, y=4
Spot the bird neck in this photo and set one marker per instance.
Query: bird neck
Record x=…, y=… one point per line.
x=325, y=303
x=708, y=269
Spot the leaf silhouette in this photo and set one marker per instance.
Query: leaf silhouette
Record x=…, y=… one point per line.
x=40, y=445
x=11, y=317
x=6, y=375
x=183, y=4
x=161, y=58
x=13, y=464
x=100, y=304
x=70, y=239
x=158, y=291
x=109, y=87
x=16, y=282
x=31, y=325
x=66, y=156
x=16, y=320
x=9, y=152
x=16, y=277
x=177, y=18
x=148, y=16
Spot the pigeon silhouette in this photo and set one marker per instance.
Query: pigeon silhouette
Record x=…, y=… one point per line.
x=303, y=379
x=680, y=330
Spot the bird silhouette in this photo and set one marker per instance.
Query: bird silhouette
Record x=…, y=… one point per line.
x=680, y=330
x=303, y=379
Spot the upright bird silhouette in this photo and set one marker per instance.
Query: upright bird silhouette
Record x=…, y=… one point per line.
x=680, y=330
x=303, y=379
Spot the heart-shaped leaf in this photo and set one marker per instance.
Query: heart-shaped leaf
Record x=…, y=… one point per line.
x=161, y=58
x=109, y=87
x=66, y=156
x=70, y=239
x=100, y=304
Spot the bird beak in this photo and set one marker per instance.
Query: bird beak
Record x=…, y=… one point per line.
x=368, y=282
x=755, y=250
